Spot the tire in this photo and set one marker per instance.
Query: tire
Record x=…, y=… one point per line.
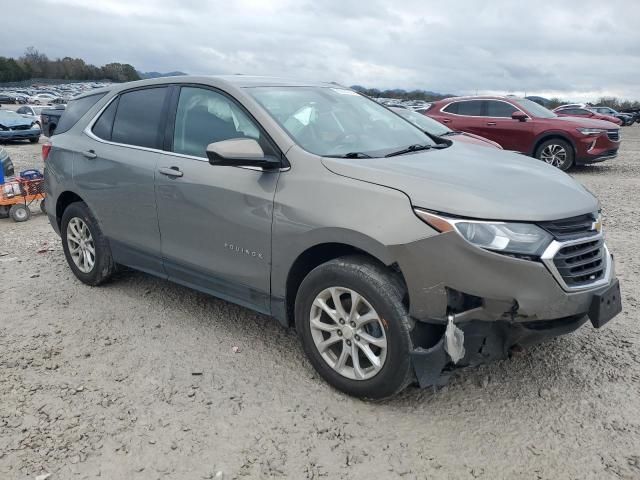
x=551, y=152
x=383, y=295
x=103, y=266
x=43, y=207
x=34, y=140
x=4, y=211
x=19, y=212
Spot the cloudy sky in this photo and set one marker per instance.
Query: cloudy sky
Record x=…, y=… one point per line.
x=576, y=49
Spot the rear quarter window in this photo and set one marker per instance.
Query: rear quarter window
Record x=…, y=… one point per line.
x=75, y=111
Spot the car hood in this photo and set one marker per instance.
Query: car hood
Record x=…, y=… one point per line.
x=14, y=120
x=476, y=182
x=580, y=122
x=473, y=139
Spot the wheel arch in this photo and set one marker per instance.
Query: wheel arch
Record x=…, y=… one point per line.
x=550, y=136
x=65, y=199
x=318, y=254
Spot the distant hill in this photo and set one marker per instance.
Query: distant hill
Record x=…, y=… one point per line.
x=144, y=75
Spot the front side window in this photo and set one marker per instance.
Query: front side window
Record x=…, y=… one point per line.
x=205, y=116
x=138, y=118
x=500, y=109
x=335, y=122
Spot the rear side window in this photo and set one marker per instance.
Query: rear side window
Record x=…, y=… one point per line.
x=138, y=118
x=500, y=109
x=469, y=108
x=75, y=110
x=103, y=127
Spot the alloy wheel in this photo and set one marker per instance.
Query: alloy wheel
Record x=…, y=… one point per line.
x=81, y=246
x=348, y=333
x=555, y=155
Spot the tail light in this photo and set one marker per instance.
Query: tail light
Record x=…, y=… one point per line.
x=46, y=148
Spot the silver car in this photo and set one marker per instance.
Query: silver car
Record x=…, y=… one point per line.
x=396, y=255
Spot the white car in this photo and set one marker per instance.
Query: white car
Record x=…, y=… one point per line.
x=31, y=111
x=42, y=99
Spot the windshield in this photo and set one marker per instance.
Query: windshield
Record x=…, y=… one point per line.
x=534, y=109
x=336, y=122
x=423, y=122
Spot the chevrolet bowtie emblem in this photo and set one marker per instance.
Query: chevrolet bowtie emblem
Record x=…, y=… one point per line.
x=597, y=225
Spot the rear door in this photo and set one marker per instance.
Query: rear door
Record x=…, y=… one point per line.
x=115, y=174
x=215, y=221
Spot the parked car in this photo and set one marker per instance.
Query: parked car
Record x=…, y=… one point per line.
x=17, y=127
x=634, y=112
x=625, y=118
x=50, y=117
x=524, y=126
x=31, y=111
x=42, y=99
x=570, y=111
x=7, y=99
x=395, y=254
x=433, y=127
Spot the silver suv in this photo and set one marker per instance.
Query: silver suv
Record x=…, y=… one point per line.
x=396, y=255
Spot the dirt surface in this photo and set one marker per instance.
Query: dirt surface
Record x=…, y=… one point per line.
x=144, y=379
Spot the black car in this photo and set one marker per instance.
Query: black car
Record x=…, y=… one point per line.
x=6, y=98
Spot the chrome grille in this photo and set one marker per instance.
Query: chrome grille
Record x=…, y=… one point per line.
x=578, y=264
x=614, y=134
x=570, y=228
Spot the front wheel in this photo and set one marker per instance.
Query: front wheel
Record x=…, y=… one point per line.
x=86, y=249
x=556, y=152
x=355, y=327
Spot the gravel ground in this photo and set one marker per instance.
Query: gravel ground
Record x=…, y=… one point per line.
x=144, y=379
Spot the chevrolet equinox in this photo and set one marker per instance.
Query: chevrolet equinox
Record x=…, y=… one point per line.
x=397, y=255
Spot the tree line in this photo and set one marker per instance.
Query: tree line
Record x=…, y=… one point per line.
x=36, y=65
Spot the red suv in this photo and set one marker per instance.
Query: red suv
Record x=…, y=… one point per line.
x=524, y=126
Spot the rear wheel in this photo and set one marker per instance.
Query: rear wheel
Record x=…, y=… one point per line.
x=19, y=212
x=355, y=327
x=556, y=152
x=85, y=247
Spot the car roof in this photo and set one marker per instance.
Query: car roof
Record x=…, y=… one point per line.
x=238, y=81
x=483, y=97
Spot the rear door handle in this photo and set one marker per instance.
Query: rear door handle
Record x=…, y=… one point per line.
x=445, y=120
x=491, y=124
x=171, y=171
x=90, y=154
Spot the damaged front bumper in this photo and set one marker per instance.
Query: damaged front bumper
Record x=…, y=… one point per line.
x=496, y=303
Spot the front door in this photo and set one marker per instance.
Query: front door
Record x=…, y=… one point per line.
x=215, y=221
x=500, y=127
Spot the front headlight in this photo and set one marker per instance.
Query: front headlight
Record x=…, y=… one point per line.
x=591, y=131
x=524, y=239
x=35, y=126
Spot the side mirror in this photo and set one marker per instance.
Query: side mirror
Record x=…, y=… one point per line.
x=240, y=152
x=520, y=116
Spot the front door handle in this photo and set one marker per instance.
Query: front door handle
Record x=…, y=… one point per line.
x=445, y=120
x=90, y=154
x=491, y=124
x=171, y=171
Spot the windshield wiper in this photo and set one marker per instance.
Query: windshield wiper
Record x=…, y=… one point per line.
x=409, y=149
x=351, y=155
